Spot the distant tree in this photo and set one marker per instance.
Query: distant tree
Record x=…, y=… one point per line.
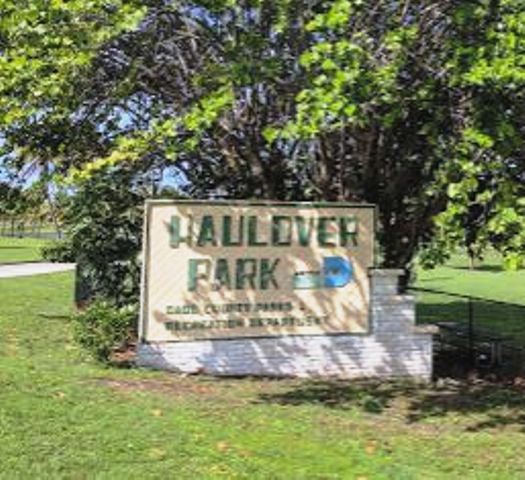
x=12, y=205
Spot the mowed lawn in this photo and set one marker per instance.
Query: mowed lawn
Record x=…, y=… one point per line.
x=488, y=280
x=14, y=250
x=498, y=302
x=63, y=416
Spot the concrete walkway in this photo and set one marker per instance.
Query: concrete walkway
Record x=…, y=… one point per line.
x=26, y=269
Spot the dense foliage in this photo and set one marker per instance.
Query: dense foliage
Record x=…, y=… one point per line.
x=102, y=329
x=10, y=199
x=415, y=106
x=103, y=223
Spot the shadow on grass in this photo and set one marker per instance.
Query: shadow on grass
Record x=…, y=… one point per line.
x=501, y=406
x=481, y=268
x=121, y=364
x=54, y=316
x=372, y=397
x=501, y=318
x=498, y=405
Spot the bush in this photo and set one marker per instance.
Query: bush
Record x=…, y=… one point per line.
x=103, y=222
x=103, y=328
x=59, y=251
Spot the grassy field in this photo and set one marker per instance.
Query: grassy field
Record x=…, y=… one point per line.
x=488, y=281
x=63, y=416
x=13, y=250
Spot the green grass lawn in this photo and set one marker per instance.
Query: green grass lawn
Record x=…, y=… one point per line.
x=13, y=250
x=63, y=416
x=488, y=281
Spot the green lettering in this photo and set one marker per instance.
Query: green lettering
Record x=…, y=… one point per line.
x=267, y=274
x=196, y=272
x=255, y=322
x=304, y=231
x=176, y=238
x=227, y=232
x=253, y=241
x=207, y=232
x=278, y=222
x=222, y=274
x=324, y=236
x=246, y=270
x=348, y=231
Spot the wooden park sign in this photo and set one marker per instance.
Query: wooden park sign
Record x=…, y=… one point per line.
x=255, y=269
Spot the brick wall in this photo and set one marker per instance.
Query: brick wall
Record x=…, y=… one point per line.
x=394, y=347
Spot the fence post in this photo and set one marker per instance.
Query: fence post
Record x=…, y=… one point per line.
x=471, y=331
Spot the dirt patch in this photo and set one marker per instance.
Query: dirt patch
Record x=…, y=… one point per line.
x=447, y=405
x=178, y=386
x=124, y=358
x=225, y=391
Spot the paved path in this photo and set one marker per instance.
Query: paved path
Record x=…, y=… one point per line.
x=26, y=269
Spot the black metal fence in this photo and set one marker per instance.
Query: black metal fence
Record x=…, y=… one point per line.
x=23, y=228
x=474, y=332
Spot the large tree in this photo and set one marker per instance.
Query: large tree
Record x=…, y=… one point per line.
x=415, y=106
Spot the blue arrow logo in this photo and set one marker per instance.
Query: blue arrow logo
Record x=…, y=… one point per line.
x=337, y=272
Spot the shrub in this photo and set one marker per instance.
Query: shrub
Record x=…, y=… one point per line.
x=59, y=251
x=103, y=328
x=103, y=221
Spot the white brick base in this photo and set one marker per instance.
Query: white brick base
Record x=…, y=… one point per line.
x=395, y=347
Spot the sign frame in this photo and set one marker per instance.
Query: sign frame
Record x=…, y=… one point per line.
x=146, y=249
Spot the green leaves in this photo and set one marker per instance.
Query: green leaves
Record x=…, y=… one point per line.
x=195, y=122
x=499, y=57
x=345, y=78
x=335, y=17
x=48, y=46
x=416, y=107
x=102, y=328
x=484, y=205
